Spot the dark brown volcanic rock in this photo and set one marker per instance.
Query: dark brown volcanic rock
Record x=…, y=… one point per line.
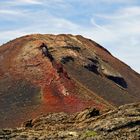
x=122, y=123
x=60, y=73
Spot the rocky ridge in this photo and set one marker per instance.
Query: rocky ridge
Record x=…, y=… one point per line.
x=122, y=123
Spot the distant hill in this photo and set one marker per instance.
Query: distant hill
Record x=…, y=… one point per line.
x=60, y=73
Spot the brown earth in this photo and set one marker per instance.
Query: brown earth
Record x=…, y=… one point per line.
x=60, y=73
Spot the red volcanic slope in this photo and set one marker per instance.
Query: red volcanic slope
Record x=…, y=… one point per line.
x=53, y=73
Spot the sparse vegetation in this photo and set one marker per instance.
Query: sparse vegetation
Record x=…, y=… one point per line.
x=90, y=133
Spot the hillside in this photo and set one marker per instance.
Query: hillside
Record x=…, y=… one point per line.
x=61, y=73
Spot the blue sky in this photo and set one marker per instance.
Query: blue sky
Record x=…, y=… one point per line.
x=115, y=24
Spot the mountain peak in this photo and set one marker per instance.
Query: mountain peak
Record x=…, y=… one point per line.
x=54, y=73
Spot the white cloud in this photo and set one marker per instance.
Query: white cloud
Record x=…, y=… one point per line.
x=20, y=2
x=30, y=1
x=122, y=24
x=119, y=1
x=98, y=26
x=89, y=2
x=124, y=13
x=11, y=12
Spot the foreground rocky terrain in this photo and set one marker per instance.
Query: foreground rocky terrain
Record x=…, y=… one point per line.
x=60, y=73
x=120, y=124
